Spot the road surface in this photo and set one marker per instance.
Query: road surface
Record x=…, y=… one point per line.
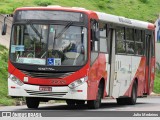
x=151, y=103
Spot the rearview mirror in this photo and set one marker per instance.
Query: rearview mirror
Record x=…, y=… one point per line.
x=4, y=26
x=4, y=29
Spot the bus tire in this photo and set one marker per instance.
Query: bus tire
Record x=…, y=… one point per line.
x=80, y=102
x=121, y=101
x=71, y=103
x=32, y=102
x=95, y=104
x=132, y=100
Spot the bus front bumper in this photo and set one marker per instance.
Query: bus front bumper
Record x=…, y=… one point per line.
x=58, y=92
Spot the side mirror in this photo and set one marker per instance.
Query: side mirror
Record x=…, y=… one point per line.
x=4, y=26
x=4, y=29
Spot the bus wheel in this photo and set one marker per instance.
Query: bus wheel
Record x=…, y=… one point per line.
x=95, y=104
x=80, y=102
x=121, y=101
x=71, y=103
x=32, y=102
x=132, y=100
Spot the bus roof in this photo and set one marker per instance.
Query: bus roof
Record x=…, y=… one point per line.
x=124, y=21
x=55, y=7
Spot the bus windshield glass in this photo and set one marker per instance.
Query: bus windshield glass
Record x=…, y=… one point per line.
x=49, y=45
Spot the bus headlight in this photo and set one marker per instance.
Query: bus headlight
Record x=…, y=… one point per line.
x=77, y=82
x=15, y=80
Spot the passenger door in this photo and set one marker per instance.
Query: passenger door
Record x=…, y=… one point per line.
x=120, y=72
x=150, y=62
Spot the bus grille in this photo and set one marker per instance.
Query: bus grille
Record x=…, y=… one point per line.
x=46, y=93
x=46, y=75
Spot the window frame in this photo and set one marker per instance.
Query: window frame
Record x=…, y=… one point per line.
x=102, y=37
x=134, y=40
x=116, y=40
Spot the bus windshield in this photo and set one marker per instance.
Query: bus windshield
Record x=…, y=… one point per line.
x=51, y=45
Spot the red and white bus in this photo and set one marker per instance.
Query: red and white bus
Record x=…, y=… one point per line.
x=79, y=55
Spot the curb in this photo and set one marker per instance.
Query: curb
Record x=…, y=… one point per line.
x=20, y=103
x=154, y=94
x=2, y=105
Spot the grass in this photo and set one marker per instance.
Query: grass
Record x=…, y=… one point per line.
x=157, y=82
x=4, y=99
x=147, y=10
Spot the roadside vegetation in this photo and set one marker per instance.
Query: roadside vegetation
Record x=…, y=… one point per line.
x=4, y=98
x=147, y=10
x=157, y=81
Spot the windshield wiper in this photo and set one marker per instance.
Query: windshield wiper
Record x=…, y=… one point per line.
x=35, y=30
x=64, y=29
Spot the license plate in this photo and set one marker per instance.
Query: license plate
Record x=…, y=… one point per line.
x=45, y=88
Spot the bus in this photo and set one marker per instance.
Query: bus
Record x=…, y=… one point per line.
x=80, y=56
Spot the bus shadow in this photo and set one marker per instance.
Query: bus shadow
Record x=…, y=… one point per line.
x=115, y=105
x=106, y=106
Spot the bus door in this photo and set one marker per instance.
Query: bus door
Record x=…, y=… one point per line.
x=111, y=62
x=149, y=71
x=120, y=64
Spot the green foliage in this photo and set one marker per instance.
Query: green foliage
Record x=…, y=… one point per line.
x=42, y=2
x=3, y=59
x=144, y=1
x=4, y=99
x=147, y=10
x=101, y=4
x=157, y=82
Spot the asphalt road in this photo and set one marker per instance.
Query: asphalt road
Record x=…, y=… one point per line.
x=151, y=103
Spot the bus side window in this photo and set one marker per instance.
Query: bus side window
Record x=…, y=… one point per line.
x=129, y=36
x=120, y=44
x=139, y=46
x=94, y=35
x=103, y=37
x=152, y=46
